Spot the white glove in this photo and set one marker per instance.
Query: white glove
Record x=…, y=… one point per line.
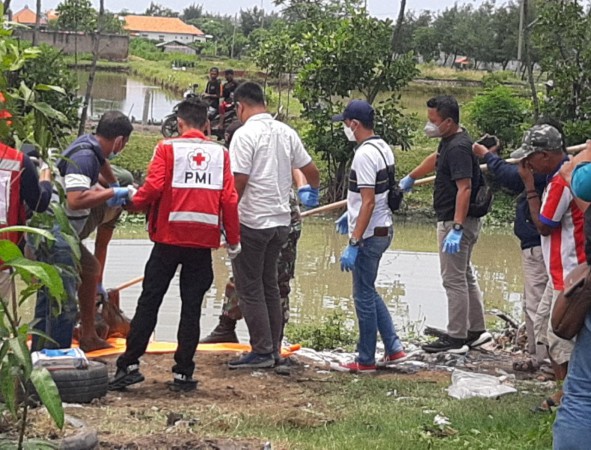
x=131, y=192
x=43, y=165
x=233, y=250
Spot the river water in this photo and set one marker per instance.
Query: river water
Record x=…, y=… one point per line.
x=408, y=279
x=133, y=96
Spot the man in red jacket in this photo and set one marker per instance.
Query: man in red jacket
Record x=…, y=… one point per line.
x=189, y=194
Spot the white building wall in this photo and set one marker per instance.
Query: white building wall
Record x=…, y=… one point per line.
x=165, y=37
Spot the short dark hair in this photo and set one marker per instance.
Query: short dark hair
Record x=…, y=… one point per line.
x=193, y=111
x=114, y=124
x=554, y=122
x=214, y=69
x=250, y=93
x=229, y=72
x=447, y=107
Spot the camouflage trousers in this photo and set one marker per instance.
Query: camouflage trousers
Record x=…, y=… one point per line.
x=285, y=273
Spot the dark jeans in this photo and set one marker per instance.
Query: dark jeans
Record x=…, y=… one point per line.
x=57, y=321
x=195, y=279
x=255, y=276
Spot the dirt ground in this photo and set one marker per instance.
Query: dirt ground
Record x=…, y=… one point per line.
x=148, y=415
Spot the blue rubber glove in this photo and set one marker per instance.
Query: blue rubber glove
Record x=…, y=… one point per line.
x=101, y=291
x=114, y=185
x=348, y=258
x=308, y=196
x=343, y=224
x=451, y=243
x=121, y=194
x=406, y=183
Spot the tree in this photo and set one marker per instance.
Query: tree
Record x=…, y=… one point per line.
x=76, y=15
x=192, y=12
x=425, y=43
x=333, y=66
x=251, y=19
x=155, y=9
x=562, y=35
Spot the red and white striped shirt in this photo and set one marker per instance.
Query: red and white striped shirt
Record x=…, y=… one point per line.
x=564, y=247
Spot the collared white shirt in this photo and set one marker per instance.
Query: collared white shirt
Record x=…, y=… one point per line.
x=266, y=150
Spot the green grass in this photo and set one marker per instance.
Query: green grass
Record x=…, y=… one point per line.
x=383, y=412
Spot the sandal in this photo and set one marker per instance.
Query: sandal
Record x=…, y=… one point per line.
x=526, y=365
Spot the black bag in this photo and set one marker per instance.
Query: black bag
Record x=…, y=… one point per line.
x=395, y=194
x=482, y=202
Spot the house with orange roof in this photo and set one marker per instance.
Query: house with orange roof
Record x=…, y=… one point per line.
x=27, y=16
x=163, y=29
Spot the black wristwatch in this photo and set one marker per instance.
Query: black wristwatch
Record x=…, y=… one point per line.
x=354, y=242
x=458, y=226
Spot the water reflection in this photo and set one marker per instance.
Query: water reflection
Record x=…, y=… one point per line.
x=408, y=280
x=128, y=94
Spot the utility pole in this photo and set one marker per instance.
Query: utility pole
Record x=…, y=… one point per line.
x=528, y=63
x=234, y=35
x=521, y=20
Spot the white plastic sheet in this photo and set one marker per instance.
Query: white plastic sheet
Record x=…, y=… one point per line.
x=468, y=385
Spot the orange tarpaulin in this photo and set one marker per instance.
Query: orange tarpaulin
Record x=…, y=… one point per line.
x=118, y=347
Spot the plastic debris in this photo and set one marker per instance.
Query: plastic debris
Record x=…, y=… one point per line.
x=467, y=385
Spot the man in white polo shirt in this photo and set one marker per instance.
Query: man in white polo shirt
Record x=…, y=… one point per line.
x=370, y=227
x=263, y=153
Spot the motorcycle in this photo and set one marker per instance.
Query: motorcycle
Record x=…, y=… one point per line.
x=217, y=126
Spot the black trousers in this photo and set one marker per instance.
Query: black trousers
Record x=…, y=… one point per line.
x=196, y=278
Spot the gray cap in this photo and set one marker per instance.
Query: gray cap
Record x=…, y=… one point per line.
x=539, y=138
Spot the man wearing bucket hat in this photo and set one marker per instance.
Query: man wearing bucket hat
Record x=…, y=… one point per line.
x=560, y=223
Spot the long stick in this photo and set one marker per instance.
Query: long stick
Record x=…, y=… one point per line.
x=129, y=283
x=421, y=182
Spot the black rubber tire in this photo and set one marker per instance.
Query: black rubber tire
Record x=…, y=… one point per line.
x=84, y=385
x=169, y=127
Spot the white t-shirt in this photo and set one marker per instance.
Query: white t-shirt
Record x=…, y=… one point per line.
x=266, y=150
x=368, y=170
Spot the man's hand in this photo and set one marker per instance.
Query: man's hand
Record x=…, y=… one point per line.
x=566, y=171
x=479, y=150
x=451, y=243
x=342, y=224
x=233, y=250
x=119, y=197
x=526, y=175
x=406, y=183
x=308, y=196
x=101, y=291
x=348, y=258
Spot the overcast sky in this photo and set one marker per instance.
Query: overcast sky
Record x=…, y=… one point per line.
x=380, y=8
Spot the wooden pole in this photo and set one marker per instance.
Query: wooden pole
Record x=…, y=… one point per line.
x=427, y=180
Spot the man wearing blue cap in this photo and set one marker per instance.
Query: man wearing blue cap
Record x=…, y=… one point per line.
x=369, y=225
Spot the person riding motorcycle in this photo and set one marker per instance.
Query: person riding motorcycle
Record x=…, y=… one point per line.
x=228, y=93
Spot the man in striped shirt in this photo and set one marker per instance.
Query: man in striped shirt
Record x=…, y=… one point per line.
x=560, y=223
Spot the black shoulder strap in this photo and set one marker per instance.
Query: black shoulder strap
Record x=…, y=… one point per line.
x=66, y=156
x=391, y=176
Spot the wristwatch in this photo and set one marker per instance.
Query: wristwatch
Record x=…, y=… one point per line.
x=458, y=226
x=354, y=242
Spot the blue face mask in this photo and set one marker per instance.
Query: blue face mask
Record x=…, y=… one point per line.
x=112, y=156
x=581, y=181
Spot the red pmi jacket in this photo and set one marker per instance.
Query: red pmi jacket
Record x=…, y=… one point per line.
x=12, y=211
x=189, y=193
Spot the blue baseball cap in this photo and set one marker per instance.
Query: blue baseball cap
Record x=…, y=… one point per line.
x=358, y=110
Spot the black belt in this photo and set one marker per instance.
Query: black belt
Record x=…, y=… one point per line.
x=381, y=231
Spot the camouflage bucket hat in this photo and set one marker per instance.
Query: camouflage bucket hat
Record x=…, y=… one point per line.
x=539, y=138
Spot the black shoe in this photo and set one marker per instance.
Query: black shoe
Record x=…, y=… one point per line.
x=126, y=377
x=182, y=383
x=447, y=344
x=253, y=360
x=224, y=332
x=477, y=338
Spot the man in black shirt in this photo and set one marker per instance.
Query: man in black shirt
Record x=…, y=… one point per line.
x=457, y=179
x=213, y=88
x=229, y=86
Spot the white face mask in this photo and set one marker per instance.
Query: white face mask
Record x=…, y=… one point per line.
x=432, y=130
x=349, y=133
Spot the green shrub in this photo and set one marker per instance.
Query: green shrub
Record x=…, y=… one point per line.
x=500, y=112
x=331, y=333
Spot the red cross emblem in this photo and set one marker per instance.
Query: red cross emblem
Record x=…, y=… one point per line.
x=198, y=160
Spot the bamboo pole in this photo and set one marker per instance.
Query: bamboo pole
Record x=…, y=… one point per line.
x=427, y=180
